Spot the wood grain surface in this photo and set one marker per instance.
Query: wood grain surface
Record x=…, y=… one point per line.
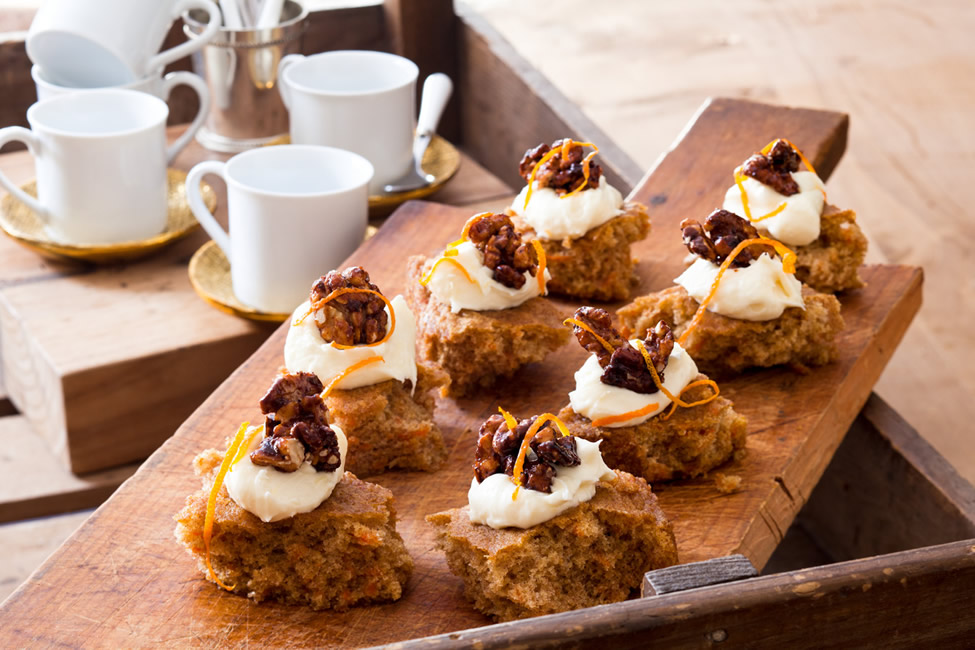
x=122, y=579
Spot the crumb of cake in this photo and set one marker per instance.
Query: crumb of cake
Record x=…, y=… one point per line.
x=597, y=265
x=362, y=559
x=595, y=553
x=831, y=263
x=390, y=428
x=727, y=483
x=476, y=348
x=688, y=444
x=724, y=346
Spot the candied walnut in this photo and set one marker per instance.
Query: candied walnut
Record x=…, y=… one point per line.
x=497, y=452
x=562, y=174
x=296, y=428
x=351, y=318
x=504, y=252
x=625, y=366
x=719, y=236
x=775, y=168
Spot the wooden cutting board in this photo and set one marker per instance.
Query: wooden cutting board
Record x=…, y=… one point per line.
x=123, y=580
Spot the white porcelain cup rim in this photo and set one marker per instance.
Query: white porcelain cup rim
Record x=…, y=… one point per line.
x=360, y=168
x=157, y=111
x=37, y=74
x=408, y=69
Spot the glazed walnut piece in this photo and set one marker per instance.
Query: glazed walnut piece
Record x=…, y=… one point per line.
x=498, y=446
x=562, y=174
x=352, y=318
x=625, y=366
x=296, y=428
x=504, y=252
x=775, y=168
x=719, y=236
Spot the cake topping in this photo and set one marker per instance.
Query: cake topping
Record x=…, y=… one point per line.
x=529, y=451
x=774, y=167
x=296, y=429
x=718, y=237
x=504, y=252
x=349, y=309
x=561, y=166
x=623, y=364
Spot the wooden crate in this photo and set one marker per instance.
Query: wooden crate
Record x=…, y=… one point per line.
x=905, y=496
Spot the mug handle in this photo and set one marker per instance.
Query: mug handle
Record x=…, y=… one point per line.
x=199, y=208
x=20, y=134
x=166, y=57
x=283, y=65
x=199, y=86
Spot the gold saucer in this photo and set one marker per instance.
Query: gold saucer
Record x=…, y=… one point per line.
x=441, y=160
x=210, y=276
x=24, y=225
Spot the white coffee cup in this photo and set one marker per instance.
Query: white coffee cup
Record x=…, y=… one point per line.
x=101, y=43
x=155, y=85
x=357, y=100
x=296, y=211
x=101, y=159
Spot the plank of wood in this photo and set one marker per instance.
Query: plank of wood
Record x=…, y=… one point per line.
x=682, y=577
x=34, y=483
x=796, y=423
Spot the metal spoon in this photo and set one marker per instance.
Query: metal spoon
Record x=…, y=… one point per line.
x=436, y=92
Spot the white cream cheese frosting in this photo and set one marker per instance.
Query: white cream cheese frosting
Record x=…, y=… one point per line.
x=554, y=218
x=450, y=286
x=798, y=223
x=306, y=351
x=491, y=504
x=271, y=495
x=757, y=292
x=594, y=399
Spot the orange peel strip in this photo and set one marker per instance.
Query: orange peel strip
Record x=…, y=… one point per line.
x=623, y=417
x=523, y=451
x=531, y=179
x=739, y=177
x=567, y=143
x=802, y=157
x=228, y=460
x=788, y=265
x=586, y=164
x=508, y=419
x=440, y=260
x=348, y=371
x=341, y=292
x=700, y=382
x=542, y=261
x=578, y=323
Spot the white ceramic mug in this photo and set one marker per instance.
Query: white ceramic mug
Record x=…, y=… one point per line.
x=357, y=100
x=296, y=211
x=155, y=85
x=101, y=43
x=101, y=159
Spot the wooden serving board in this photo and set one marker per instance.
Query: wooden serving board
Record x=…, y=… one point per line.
x=123, y=580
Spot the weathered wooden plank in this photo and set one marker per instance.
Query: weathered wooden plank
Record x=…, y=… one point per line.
x=682, y=577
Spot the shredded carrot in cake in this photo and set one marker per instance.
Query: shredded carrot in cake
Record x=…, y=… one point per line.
x=567, y=143
x=739, y=179
x=229, y=458
x=623, y=417
x=523, y=451
x=541, y=265
x=318, y=304
x=578, y=323
x=788, y=265
x=348, y=371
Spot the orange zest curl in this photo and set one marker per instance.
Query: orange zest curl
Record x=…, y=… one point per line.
x=508, y=419
x=567, y=143
x=578, y=323
x=446, y=257
x=523, y=451
x=318, y=304
x=767, y=148
x=238, y=447
x=348, y=371
x=623, y=417
x=788, y=265
x=541, y=265
x=693, y=384
x=740, y=177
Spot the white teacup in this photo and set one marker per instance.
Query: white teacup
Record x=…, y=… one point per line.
x=102, y=43
x=357, y=100
x=155, y=85
x=295, y=212
x=101, y=159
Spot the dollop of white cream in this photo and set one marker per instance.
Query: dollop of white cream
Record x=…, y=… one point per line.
x=798, y=224
x=553, y=217
x=271, y=495
x=759, y=291
x=306, y=351
x=491, y=504
x=595, y=400
x=450, y=286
